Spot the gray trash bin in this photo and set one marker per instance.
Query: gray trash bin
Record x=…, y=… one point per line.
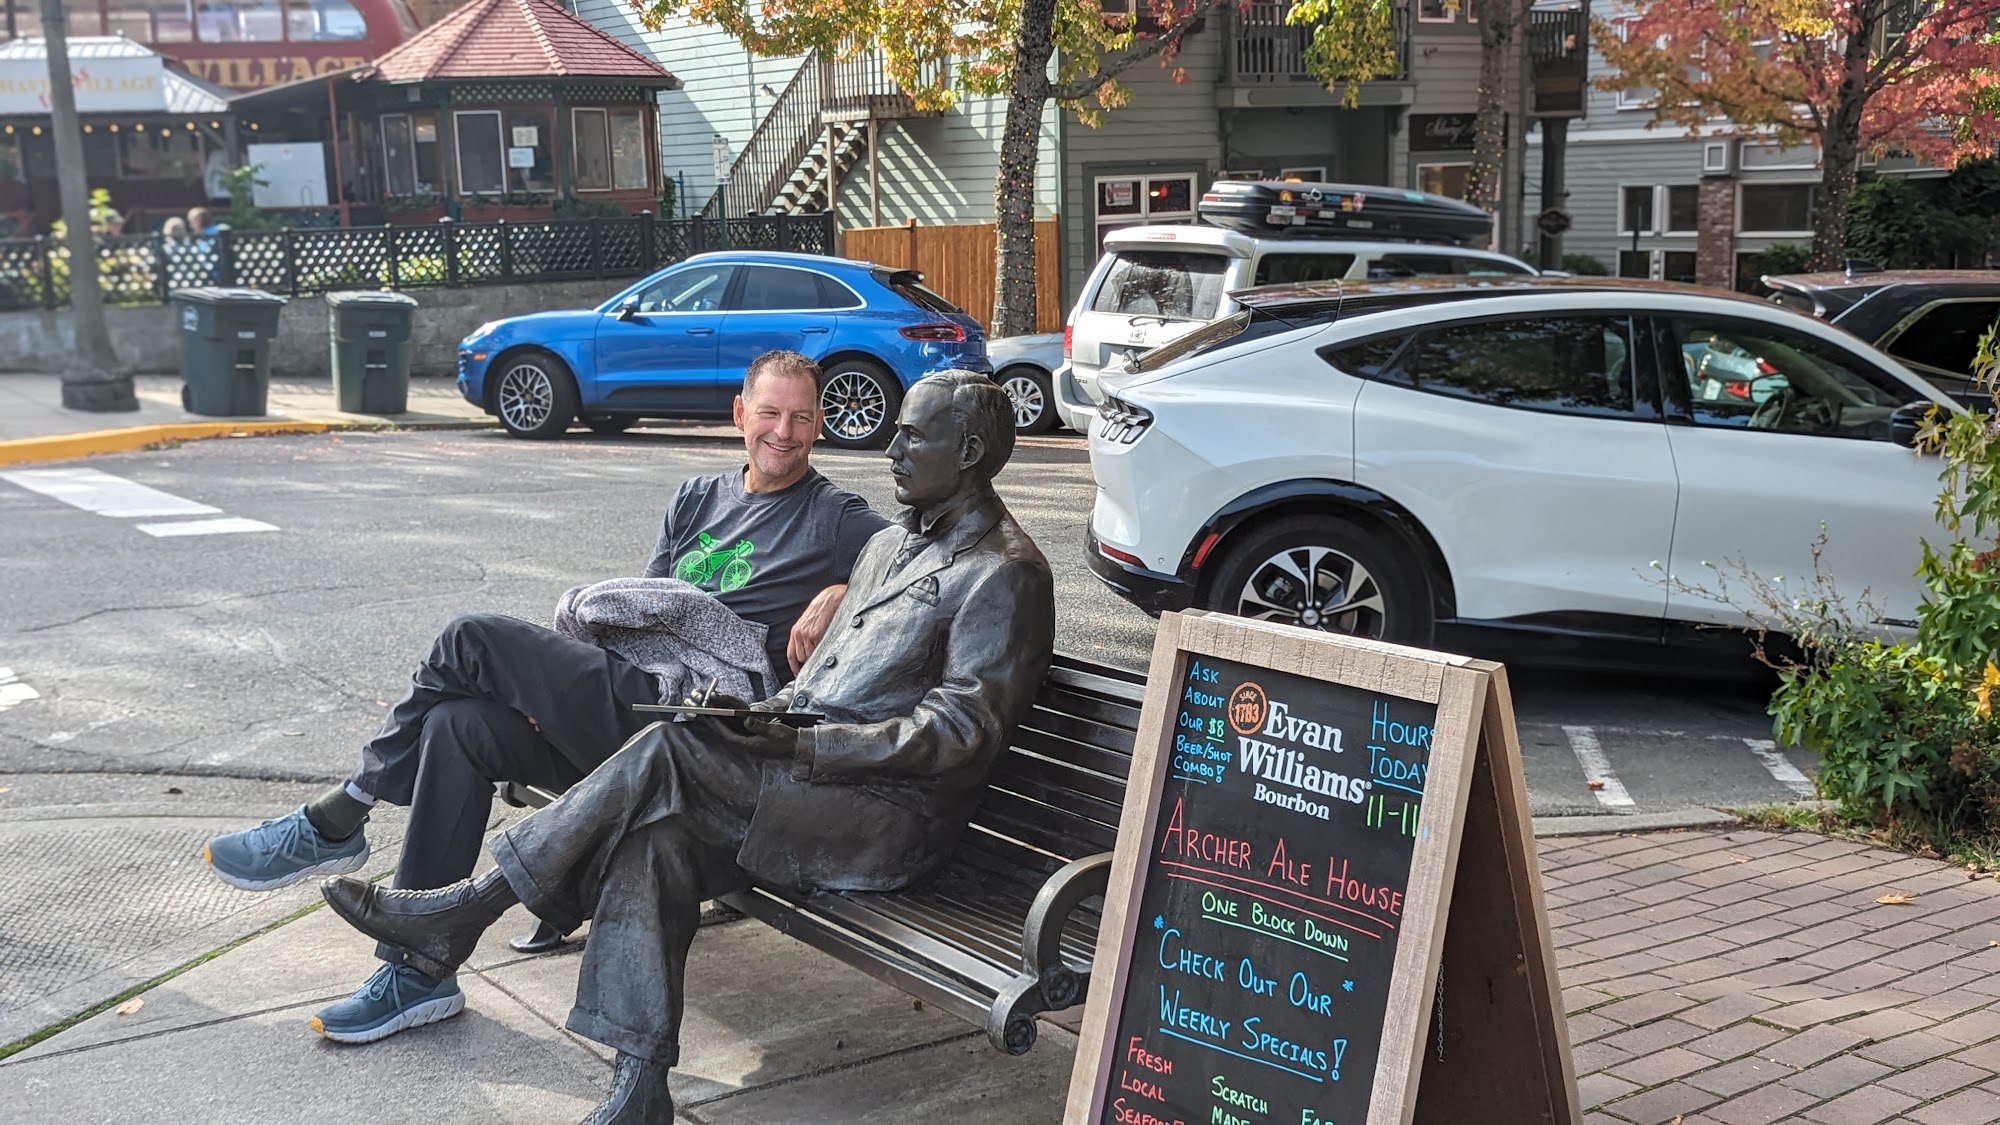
x=371, y=350
x=226, y=349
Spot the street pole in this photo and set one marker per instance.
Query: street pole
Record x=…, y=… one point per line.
x=92, y=379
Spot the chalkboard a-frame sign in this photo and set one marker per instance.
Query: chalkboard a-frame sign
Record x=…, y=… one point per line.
x=1324, y=907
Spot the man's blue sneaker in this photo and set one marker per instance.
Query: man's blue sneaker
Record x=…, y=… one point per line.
x=396, y=998
x=278, y=853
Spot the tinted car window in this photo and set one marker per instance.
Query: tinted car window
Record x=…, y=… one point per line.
x=1391, y=267
x=917, y=294
x=1947, y=337
x=1744, y=375
x=771, y=289
x=1567, y=364
x=1170, y=283
x=691, y=290
x=834, y=295
x=1291, y=269
x=1369, y=358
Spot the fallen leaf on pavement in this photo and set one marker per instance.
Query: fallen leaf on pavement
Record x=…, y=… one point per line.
x=130, y=1006
x=1593, y=786
x=1896, y=898
x=1739, y=859
x=7, y=789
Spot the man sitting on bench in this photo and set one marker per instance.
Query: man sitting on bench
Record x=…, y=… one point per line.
x=500, y=699
x=936, y=653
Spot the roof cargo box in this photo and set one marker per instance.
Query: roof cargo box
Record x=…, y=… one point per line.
x=1282, y=209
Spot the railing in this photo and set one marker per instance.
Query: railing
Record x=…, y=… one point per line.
x=1558, y=56
x=861, y=85
x=145, y=269
x=1269, y=50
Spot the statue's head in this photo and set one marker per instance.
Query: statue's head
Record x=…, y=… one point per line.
x=953, y=436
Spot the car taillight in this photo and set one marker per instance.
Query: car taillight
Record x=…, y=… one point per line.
x=1765, y=368
x=1068, y=331
x=1736, y=388
x=1122, y=422
x=1121, y=556
x=935, y=333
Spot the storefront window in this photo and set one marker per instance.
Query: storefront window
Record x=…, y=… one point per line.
x=628, y=151
x=591, y=133
x=530, y=150
x=482, y=155
x=85, y=19
x=323, y=20
x=159, y=154
x=410, y=154
x=151, y=21
x=13, y=163
x=1443, y=179
x=240, y=21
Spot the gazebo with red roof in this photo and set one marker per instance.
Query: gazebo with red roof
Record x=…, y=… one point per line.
x=510, y=109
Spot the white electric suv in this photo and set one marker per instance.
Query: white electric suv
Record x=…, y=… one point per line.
x=1523, y=453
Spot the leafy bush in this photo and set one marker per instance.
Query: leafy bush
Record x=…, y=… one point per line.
x=1787, y=257
x=1900, y=224
x=1583, y=265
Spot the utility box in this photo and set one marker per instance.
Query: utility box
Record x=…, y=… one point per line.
x=371, y=350
x=226, y=349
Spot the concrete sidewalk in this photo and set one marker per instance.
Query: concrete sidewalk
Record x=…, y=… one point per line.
x=34, y=426
x=1710, y=975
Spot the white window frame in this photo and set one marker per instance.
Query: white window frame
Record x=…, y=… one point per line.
x=1660, y=260
x=458, y=147
x=1418, y=170
x=1147, y=216
x=1631, y=99
x=576, y=137
x=1305, y=175
x=1243, y=174
x=1662, y=211
x=1653, y=211
x=1450, y=15
x=1807, y=233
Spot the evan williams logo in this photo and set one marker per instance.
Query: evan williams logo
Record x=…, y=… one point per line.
x=1247, y=706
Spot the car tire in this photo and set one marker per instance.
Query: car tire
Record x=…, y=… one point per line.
x=859, y=400
x=609, y=423
x=535, y=396
x=1033, y=396
x=1369, y=585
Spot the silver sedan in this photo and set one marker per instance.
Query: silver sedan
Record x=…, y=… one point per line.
x=1025, y=367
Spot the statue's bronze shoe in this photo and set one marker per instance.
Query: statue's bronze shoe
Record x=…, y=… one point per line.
x=639, y=1095
x=435, y=930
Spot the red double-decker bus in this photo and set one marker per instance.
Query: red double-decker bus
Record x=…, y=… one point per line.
x=241, y=44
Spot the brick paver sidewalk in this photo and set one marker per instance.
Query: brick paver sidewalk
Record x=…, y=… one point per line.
x=1745, y=976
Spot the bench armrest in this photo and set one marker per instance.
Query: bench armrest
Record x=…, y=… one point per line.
x=1041, y=939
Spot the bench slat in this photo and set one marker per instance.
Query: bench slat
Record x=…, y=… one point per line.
x=1109, y=737
x=1027, y=821
x=1094, y=767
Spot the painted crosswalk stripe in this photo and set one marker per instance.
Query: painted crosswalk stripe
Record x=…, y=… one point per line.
x=227, y=525
x=1609, y=791
x=1788, y=775
x=100, y=492
x=12, y=691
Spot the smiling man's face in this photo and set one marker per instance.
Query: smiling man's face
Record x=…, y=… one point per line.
x=780, y=421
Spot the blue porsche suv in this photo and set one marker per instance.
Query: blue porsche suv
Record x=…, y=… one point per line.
x=676, y=344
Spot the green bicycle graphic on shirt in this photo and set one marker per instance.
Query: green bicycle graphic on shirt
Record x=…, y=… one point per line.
x=729, y=567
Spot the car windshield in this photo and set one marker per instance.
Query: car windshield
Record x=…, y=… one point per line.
x=1176, y=284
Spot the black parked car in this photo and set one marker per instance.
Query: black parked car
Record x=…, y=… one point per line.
x=1931, y=320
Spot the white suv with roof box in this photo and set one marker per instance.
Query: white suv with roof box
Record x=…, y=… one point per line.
x=1158, y=283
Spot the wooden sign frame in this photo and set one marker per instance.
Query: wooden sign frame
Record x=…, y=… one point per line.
x=1473, y=933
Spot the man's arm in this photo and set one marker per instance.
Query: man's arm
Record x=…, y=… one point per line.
x=997, y=654
x=810, y=628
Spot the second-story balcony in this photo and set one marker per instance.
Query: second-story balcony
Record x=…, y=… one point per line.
x=1266, y=59
x=1559, y=57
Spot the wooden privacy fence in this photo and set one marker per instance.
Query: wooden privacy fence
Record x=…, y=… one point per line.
x=958, y=263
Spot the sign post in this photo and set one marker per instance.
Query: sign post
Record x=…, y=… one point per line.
x=1324, y=907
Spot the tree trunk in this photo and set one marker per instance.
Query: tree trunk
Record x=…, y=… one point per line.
x=92, y=379
x=1840, y=146
x=1014, y=190
x=1489, y=133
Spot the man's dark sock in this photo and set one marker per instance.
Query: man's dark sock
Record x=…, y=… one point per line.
x=335, y=814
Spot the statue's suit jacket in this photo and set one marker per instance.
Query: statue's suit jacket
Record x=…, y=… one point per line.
x=922, y=676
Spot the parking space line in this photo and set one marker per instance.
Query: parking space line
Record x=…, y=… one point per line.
x=12, y=691
x=1605, y=786
x=104, y=494
x=1780, y=767
x=227, y=525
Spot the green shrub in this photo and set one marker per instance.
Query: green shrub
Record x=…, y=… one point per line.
x=1584, y=265
x=1787, y=257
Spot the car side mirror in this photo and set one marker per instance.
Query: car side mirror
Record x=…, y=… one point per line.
x=629, y=309
x=1907, y=420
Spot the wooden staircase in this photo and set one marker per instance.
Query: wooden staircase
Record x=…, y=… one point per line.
x=819, y=129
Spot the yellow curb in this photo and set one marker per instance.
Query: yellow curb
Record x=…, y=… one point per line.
x=63, y=447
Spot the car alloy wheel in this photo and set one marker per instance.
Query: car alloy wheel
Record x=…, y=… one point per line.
x=1316, y=588
x=527, y=396
x=1029, y=402
x=854, y=404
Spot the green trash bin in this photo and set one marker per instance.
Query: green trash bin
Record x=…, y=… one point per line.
x=226, y=349
x=371, y=351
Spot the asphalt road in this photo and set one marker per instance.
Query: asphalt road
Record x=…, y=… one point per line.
x=270, y=654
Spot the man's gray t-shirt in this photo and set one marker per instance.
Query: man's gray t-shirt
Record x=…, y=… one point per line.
x=764, y=554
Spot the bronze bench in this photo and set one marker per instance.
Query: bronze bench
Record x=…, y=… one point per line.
x=1008, y=928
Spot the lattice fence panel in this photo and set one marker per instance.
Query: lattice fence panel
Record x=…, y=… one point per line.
x=23, y=276
x=550, y=250
x=258, y=260
x=420, y=257
x=128, y=269
x=621, y=245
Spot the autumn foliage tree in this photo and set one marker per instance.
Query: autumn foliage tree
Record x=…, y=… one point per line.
x=1032, y=52
x=1914, y=77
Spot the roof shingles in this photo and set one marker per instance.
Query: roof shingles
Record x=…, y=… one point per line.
x=516, y=39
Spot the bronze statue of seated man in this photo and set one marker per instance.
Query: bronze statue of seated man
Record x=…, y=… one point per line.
x=935, y=654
